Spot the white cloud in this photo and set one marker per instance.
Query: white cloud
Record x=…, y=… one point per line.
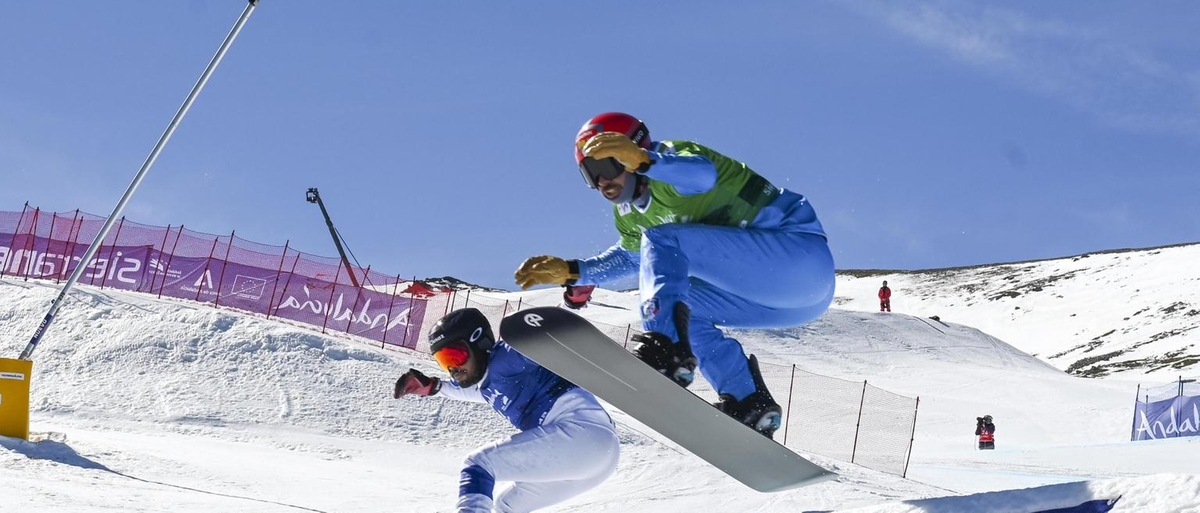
x=1091, y=70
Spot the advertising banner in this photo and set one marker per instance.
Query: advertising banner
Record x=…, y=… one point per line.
x=1168, y=418
x=317, y=301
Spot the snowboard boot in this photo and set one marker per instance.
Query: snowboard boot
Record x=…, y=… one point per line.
x=757, y=410
x=672, y=359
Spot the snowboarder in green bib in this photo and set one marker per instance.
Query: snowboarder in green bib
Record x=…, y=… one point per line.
x=714, y=244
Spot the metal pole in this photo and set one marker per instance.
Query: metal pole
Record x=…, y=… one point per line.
x=391, y=304
x=791, y=392
x=12, y=254
x=286, y=283
x=137, y=180
x=167, y=266
x=357, y=297
x=49, y=241
x=278, y=273
x=204, y=275
x=72, y=236
x=150, y=253
x=221, y=279
x=312, y=196
x=111, y=249
x=29, y=252
x=412, y=303
x=1133, y=429
x=329, y=304
x=858, y=424
x=911, y=437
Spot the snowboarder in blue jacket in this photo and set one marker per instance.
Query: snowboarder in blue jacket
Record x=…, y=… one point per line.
x=567, y=442
x=714, y=243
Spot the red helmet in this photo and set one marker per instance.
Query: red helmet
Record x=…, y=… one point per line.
x=593, y=170
x=632, y=127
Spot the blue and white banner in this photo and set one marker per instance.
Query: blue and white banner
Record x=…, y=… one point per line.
x=1170, y=418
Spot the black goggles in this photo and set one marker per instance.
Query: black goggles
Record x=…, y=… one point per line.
x=595, y=169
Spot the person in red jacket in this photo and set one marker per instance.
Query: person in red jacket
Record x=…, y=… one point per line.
x=986, y=431
x=885, y=298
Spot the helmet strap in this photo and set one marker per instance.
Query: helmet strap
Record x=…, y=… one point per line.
x=641, y=191
x=633, y=182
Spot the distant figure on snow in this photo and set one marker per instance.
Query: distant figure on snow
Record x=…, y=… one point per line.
x=986, y=431
x=567, y=442
x=885, y=298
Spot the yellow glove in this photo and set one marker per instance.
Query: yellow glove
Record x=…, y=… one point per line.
x=616, y=145
x=544, y=270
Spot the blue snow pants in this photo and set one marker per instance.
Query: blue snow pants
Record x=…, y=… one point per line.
x=761, y=276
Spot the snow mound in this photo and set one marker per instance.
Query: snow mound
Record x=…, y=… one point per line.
x=189, y=367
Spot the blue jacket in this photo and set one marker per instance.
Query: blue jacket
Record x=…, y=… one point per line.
x=515, y=386
x=692, y=174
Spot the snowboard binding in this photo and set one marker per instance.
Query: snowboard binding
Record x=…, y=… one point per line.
x=757, y=410
x=672, y=359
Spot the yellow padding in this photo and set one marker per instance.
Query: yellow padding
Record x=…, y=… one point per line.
x=15, y=376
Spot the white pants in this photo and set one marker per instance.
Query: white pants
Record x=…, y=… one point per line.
x=574, y=450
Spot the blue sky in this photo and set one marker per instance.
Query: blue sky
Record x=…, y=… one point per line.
x=926, y=134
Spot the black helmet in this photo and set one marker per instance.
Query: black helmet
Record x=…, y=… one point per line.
x=987, y=418
x=467, y=325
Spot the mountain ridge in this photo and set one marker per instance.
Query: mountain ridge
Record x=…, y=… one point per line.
x=1094, y=314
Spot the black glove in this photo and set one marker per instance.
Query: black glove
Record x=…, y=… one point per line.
x=672, y=360
x=577, y=296
x=414, y=382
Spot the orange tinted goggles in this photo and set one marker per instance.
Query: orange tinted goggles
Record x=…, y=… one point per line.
x=453, y=355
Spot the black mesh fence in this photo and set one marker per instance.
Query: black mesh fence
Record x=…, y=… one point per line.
x=885, y=430
x=851, y=421
x=822, y=415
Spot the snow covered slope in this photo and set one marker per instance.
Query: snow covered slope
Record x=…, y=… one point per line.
x=157, y=405
x=1096, y=314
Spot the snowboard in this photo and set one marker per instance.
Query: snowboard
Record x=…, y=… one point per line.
x=571, y=347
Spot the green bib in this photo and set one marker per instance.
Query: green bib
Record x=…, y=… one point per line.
x=734, y=201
